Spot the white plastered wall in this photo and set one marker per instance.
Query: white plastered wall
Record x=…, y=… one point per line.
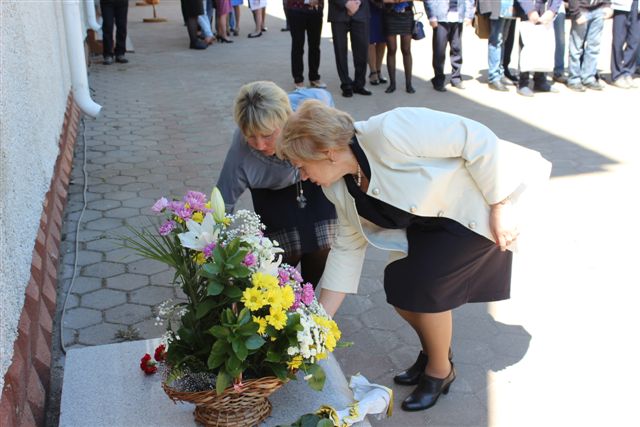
x=34, y=86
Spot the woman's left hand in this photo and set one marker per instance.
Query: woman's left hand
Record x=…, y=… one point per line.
x=502, y=223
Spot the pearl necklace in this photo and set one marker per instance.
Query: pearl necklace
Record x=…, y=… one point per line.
x=358, y=175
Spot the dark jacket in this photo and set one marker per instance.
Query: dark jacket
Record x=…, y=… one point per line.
x=577, y=6
x=301, y=6
x=338, y=12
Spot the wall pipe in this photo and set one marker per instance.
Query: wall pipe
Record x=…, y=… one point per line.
x=77, y=60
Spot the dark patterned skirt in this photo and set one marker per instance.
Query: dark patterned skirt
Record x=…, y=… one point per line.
x=395, y=23
x=448, y=265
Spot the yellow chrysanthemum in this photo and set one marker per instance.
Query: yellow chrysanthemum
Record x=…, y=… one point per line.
x=321, y=356
x=197, y=217
x=273, y=298
x=208, y=205
x=200, y=258
x=335, y=331
x=287, y=297
x=264, y=281
x=252, y=299
x=330, y=342
x=262, y=322
x=295, y=362
x=277, y=318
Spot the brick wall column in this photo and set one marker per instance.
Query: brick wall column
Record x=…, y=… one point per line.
x=27, y=381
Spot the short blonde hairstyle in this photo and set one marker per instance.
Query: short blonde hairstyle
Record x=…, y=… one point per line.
x=261, y=107
x=314, y=129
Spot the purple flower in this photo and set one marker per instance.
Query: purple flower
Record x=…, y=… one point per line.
x=208, y=250
x=308, y=294
x=175, y=205
x=183, y=212
x=295, y=275
x=249, y=259
x=196, y=200
x=296, y=302
x=283, y=276
x=160, y=205
x=167, y=228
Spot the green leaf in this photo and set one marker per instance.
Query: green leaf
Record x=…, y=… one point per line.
x=280, y=371
x=239, y=348
x=237, y=257
x=318, y=377
x=218, y=256
x=228, y=317
x=205, y=307
x=210, y=270
x=244, y=316
x=240, y=271
x=273, y=356
x=233, y=292
x=325, y=423
x=216, y=359
x=254, y=342
x=309, y=420
x=248, y=329
x=220, y=347
x=219, y=331
x=233, y=365
x=214, y=288
x=222, y=381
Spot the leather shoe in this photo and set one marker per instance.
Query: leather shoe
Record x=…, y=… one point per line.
x=121, y=59
x=428, y=391
x=198, y=45
x=107, y=60
x=347, y=92
x=457, y=84
x=412, y=375
x=499, y=86
x=361, y=91
x=439, y=88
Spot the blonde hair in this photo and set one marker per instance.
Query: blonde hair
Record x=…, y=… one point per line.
x=314, y=129
x=261, y=107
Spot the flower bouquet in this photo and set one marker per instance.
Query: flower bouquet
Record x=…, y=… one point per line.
x=249, y=323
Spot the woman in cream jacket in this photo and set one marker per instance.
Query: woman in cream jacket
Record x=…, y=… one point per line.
x=434, y=189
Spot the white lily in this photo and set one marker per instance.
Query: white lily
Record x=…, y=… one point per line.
x=217, y=204
x=200, y=235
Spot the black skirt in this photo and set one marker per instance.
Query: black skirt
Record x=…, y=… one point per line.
x=447, y=266
x=395, y=23
x=192, y=8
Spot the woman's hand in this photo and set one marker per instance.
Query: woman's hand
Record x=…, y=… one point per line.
x=502, y=224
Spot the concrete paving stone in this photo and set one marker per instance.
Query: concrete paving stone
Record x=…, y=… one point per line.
x=164, y=278
x=103, y=299
x=128, y=314
x=120, y=195
x=122, y=255
x=69, y=227
x=471, y=377
x=103, y=188
x=151, y=295
x=100, y=160
x=102, y=243
x=134, y=160
x=179, y=294
x=139, y=202
x=69, y=336
x=85, y=198
x=136, y=186
x=120, y=142
x=83, y=285
x=127, y=281
x=152, y=178
x=135, y=172
x=104, y=224
x=103, y=148
x=88, y=236
x=153, y=193
x=103, y=205
x=150, y=328
x=72, y=301
x=103, y=270
x=470, y=327
x=472, y=350
x=146, y=266
x=81, y=317
x=511, y=345
x=356, y=304
x=87, y=215
x=83, y=258
x=104, y=333
x=122, y=213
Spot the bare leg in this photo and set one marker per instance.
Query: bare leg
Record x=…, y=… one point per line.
x=435, y=331
x=331, y=300
x=380, y=49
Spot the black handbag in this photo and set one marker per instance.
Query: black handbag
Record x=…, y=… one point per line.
x=418, y=27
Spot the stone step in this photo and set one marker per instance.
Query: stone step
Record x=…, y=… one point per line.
x=104, y=386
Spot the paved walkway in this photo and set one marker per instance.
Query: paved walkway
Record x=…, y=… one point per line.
x=166, y=126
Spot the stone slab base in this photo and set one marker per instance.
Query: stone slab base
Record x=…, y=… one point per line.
x=104, y=386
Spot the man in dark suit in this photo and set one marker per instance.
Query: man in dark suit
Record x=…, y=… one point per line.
x=350, y=17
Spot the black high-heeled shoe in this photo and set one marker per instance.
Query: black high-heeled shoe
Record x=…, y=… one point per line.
x=428, y=391
x=391, y=88
x=223, y=40
x=411, y=376
x=373, y=82
x=381, y=79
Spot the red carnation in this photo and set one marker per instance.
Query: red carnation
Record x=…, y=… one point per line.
x=161, y=353
x=147, y=365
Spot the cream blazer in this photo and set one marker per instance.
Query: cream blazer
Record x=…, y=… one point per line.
x=431, y=164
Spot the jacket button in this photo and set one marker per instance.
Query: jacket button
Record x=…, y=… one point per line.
x=472, y=225
x=441, y=213
x=413, y=209
x=375, y=191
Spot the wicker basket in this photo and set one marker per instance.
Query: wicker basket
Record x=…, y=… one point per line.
x=230, y=409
